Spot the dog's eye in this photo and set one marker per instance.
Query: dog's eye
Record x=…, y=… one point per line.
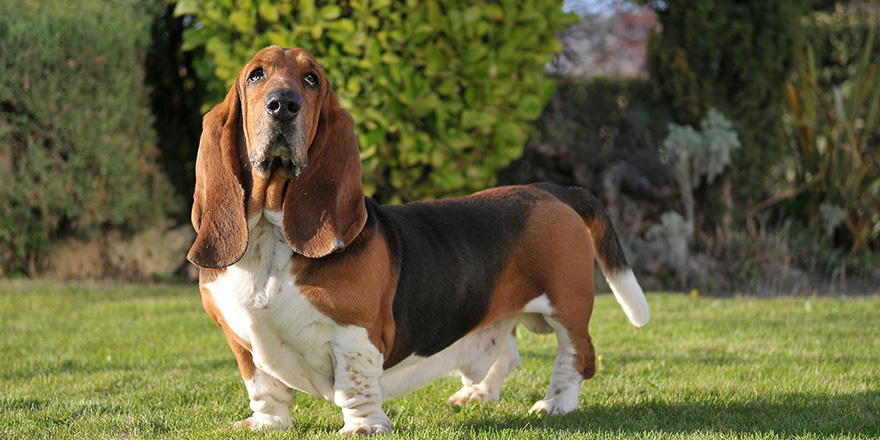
x=311, y=81
x=256, y=75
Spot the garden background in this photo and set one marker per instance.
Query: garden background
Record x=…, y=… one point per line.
x=734, y=143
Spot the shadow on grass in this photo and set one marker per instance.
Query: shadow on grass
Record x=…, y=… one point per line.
x=786, y=415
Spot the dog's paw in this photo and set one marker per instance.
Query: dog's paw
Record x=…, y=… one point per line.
x=264, y=422
x=367, y=426
x=472, y=394
x=553, y=407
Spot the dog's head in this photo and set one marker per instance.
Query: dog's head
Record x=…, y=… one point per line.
x=279, y=141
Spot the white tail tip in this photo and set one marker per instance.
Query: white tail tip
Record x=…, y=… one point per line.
x=630, y=296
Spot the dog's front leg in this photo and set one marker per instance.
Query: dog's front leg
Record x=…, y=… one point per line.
x=270, y=401
x=356, y=384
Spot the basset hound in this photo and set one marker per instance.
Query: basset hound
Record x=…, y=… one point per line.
x=321, y=290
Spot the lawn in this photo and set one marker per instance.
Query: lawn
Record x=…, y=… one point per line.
x=141, y=361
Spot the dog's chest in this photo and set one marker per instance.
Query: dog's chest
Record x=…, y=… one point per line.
x=262, y=305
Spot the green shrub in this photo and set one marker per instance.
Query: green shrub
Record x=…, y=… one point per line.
x=735, y=57
x=838, y=39
x=832, y=181
x=836, y=177
x=589, y=124
x=604, y=119
x=77, y=149
x=441, y=92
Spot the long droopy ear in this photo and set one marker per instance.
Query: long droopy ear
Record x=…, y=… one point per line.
x=324, y=207
x=218, y=202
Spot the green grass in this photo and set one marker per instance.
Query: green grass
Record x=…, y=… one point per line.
x=114, y=361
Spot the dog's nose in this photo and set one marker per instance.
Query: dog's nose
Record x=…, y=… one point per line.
x=283, y=105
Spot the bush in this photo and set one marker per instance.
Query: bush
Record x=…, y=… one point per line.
x=592, y=123
x=838, y=39
x=76, y=145
x=836, y=175
x=606, y=135
x=735, y=57
x=441, y=92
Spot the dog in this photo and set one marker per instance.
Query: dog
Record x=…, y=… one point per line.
x=319, y=289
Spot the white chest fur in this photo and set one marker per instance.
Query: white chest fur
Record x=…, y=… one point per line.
x=291, y=340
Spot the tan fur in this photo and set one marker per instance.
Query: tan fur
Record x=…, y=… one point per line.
x=218, y=200
x=323, y=208
x=555, y=238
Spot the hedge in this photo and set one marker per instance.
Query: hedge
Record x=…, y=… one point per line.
x=77, y=149
x=442, y=92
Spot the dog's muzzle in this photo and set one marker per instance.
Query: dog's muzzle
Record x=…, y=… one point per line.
x=282, y=145
x=269, y=163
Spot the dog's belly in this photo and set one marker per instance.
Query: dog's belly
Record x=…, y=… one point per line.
x=290, y=338
x=471, y=356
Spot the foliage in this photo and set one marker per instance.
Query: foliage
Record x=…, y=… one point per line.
x=836, y=182
x=441, y=92
x=174, y=99
x=800, y=368
x=76, y=145
x=838, y=38
x=707, y=150
x=592, y=123
x=732, y=56
x=784, y=259
x=604, y=116
x=671, y=224
x=693, y=155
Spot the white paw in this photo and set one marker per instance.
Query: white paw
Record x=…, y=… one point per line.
x=367, y=426
x=264, y=422
x=472, y=394
x=553, y=407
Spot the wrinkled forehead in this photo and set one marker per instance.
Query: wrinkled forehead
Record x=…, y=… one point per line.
x=276, y=57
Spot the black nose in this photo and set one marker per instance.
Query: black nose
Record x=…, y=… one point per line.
x=283, y=105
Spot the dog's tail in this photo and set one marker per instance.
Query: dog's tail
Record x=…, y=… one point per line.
x=609, y=253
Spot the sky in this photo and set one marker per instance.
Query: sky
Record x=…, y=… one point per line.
x=589, y=6
x=598, y=6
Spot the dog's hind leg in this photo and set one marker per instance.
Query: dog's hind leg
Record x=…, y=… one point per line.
x=565, y=381
x=575, y=356
x=489, y=388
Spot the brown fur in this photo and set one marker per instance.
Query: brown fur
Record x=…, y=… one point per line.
x=354, y=291
x=555, y=237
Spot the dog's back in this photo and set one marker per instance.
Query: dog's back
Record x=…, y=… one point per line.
x=453, y=255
